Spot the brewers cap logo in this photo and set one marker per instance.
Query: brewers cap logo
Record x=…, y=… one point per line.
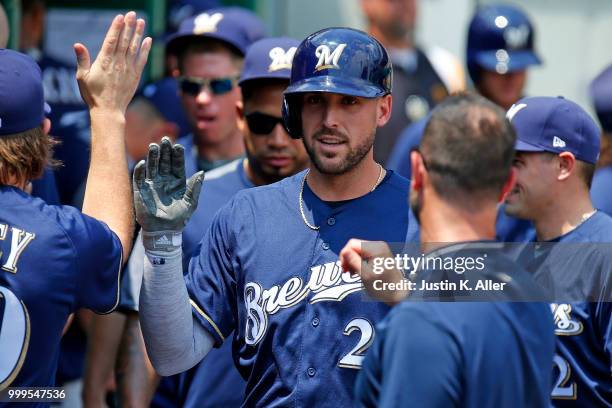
x=281, y=59
x=327, y=58
x=206, y=23
x=516, y=37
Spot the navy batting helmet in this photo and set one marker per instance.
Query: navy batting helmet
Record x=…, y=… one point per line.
x=500, y=39
x=338, y=60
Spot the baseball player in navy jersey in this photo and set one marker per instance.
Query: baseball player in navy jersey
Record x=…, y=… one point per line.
x=442, y=354
x=56, y=259
x=267, y=269
x=271, y=155
x=557, y=148
x=210, y=49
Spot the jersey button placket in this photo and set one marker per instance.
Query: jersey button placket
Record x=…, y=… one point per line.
x=311, y=371
x=325, y=246
x=315, y=322
x=331, y=221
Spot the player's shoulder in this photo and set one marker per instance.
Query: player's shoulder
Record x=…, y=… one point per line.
x=447, y=66
x=596, y=229
x=223, y=171
x=50, y=219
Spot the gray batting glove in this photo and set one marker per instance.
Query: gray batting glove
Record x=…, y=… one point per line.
x=164, y=200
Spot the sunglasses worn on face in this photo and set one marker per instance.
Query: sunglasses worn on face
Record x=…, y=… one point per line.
x=218, y=86
x=261, y=123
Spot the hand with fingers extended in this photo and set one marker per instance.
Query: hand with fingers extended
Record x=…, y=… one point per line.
x=163, y=198
x=111, y=81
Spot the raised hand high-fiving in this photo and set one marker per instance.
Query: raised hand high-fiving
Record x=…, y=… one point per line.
x=111, y=81
x=163, y=198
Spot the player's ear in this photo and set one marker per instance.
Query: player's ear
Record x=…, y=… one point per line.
x=46, y=126
x=240, y=120
x=508, y=185
x=385, y=104
x=417, y=168
x=566, y=165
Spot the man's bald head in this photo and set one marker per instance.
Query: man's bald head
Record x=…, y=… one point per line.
x=4, y=28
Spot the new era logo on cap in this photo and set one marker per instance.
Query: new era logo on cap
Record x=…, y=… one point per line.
x=558, y=142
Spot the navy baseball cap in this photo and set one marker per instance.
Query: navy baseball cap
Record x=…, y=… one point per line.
x=601, y=94
x=556, y=125
x=270, y=58
x=22, y=102
x=234, y=26
x=163, y=95
x=501, y=39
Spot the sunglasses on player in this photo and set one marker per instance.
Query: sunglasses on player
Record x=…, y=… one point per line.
x=217, y=86
x=261, y=123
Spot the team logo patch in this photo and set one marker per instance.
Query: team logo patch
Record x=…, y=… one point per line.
x=558, y=142
x=516, y=37
x=564, y=324
x=281, y=59
x=326, y=283
x=327, y=58
x=206, y=23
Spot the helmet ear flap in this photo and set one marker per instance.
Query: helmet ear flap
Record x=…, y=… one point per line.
x=292, y=118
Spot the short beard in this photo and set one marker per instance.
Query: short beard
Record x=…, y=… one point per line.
x=354, y=157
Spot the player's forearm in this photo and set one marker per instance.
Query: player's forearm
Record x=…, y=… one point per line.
x=108, y=194
x=175, y=340
x=103, y=343
x=136, y=378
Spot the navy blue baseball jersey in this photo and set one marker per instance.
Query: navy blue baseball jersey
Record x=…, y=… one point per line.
x=214, y=382
x=53, y=260
x=582, y=375
x=601, y=191
x=300, y=325
x=442, y=354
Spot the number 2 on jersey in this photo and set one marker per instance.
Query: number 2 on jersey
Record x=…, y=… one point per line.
x=14, y=336
x=562, y=390
x=354, y=358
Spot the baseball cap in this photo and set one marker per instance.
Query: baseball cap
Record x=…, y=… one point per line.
x=501, y=39
x=234, y=26
x=601, y=94
x=22, y=103
x=270, y=58
x=556, y=125
x=163, y=95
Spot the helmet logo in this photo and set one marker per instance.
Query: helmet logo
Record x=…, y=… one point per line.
x=206, y=23
x=281, y=59
x=516, y=37
x=327, y=58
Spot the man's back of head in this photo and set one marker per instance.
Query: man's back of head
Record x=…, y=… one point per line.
x=465, y=135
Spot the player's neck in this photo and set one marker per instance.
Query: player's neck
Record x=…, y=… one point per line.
x=564, y=217
x=357, y=182
x=441, y=222
x=227, y=148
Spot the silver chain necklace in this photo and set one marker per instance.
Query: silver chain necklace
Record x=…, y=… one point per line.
x=315, y=227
